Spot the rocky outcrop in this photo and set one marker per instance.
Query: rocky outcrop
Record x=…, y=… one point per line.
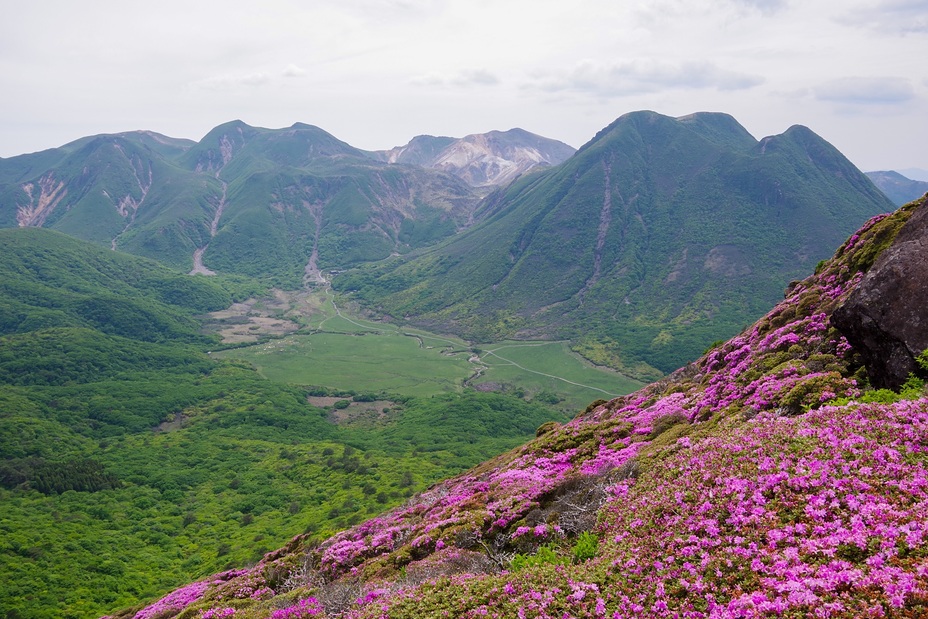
x=483, y=159
x=886, y=317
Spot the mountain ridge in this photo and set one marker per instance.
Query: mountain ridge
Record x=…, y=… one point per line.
x=263, y=202
x=897, y=187
x=655, y=225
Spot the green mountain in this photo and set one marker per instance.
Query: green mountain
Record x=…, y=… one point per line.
x=897, y=187
x=660, y=236
x=279, y=204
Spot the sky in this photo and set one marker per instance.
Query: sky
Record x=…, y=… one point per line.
x=376, y=73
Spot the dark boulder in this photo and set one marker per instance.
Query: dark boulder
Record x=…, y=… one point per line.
x=886, y=317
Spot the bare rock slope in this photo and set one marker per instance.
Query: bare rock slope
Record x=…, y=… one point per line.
x=484, y=159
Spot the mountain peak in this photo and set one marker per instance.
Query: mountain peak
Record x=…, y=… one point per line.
x=716, y=127
x=897, y=187
x=481, y=159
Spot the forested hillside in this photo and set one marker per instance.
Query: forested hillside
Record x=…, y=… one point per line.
x=131, y=461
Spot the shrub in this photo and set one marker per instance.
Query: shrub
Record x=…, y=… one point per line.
x=664, y=423
x=585, y=548
x=545, y=555
x=545, y=428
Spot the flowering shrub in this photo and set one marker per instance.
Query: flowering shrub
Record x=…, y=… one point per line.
x=217, y=613
x=824, y=511
x=174, y=601
x=309, y=607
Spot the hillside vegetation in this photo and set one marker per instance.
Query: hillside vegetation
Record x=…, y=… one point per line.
x=764, y=479
x=275, y=204
x=659, y=237
x=131, y=461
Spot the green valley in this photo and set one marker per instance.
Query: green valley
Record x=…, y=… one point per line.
x=136, y=456
x=349, y=353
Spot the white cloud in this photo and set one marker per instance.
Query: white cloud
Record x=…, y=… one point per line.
x=767, y=7
x=346, y=66
x=291, y=70
x=866, y=91
x=640, y=76
x=891, y=16
x=226, y=82
x=467, y=78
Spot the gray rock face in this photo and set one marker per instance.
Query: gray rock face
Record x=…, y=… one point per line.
x=886, y=317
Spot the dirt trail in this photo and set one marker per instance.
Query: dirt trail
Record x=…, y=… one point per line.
x=560, y=378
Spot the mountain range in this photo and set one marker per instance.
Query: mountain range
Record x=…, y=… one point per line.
x=656, y=238
x=132, y=460
x=282, y=204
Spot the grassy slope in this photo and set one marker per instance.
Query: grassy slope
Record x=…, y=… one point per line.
x=758, y=481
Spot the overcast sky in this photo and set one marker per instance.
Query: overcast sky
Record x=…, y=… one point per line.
x=375, y=73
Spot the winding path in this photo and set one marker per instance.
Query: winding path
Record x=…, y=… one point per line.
x=560, y=378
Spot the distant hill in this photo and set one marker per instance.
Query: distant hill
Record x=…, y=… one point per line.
x=49, y=280
x=658, y=237
x=484, y=159
x=281, y=204
x=917, y=174
x=897, y=187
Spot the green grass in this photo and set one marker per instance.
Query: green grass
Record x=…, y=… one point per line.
x=370, y=362
x=552, y=367
x=348, y=353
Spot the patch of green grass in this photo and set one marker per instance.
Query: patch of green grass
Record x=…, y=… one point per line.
x=345, y=352
x=552, y=367
x=369, y=362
